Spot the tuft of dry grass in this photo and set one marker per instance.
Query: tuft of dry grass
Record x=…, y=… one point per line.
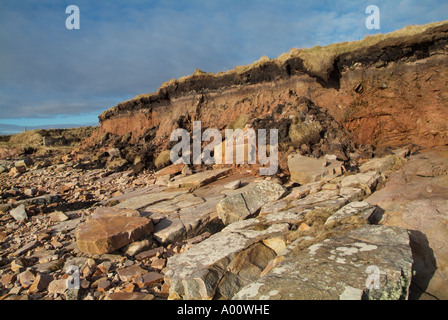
x=239, y=122
x=304, y=133
x=260, y=62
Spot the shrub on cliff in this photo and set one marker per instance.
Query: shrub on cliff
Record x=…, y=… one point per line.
x=304, y=133
x=163, y=159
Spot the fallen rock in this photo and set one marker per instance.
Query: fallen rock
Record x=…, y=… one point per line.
x=111, y=231
x=382, y=165
x=366, y=181
x=57, y=286
x=233, y=185
x=30, y=192
x=149, y=254
x=245, y=268
x=41, y=283
x=58, y=216
x=136, y=247
x=19, y=213
x=242, y=205
x=371, y=262
x=148, y=279
x=195, y=273
x=104, y=285
x=131, y=273
x=41, y=200
x=305, y=170
x=171, y=170
x=26, y=278
x=199, y=179
x=8, y=279
x=26, y=162
x=27, y=247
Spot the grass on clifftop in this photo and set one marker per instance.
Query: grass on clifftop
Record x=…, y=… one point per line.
x=317, y=60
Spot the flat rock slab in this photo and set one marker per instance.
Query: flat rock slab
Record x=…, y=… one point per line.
x=240, y=206
x=366, y=181
x=305, y=170
x=108, y=232
x=416, y=198
x=371, y=262
x=187, y=222
x=66, y=226
x=361, y=209
x=170, y=170
x=146, y=200
x=383, y=165
x=199, y=179
x=133, y=194
x=195, y=274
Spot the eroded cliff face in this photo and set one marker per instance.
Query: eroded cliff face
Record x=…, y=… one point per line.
x=390, y=94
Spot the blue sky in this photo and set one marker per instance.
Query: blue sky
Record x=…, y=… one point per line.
x=50, y=75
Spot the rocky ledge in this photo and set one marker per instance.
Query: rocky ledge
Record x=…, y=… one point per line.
x=225, y=233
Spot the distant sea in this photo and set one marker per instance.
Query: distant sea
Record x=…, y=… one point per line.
x=8, y=129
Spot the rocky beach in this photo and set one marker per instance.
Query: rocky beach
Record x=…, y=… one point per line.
x=357, y=210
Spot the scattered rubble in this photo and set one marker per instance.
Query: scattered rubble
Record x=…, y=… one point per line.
x=223, y=233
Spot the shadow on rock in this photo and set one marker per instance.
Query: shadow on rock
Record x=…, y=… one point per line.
x=424, y=266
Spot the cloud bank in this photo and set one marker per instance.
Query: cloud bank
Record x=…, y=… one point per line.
x=125, y=48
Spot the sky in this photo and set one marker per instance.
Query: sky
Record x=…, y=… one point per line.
x=53, y=76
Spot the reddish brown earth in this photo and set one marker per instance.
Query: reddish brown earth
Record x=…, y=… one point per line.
x=390, y=94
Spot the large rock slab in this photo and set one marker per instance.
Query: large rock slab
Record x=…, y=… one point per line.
x=416, y=199
x=371, y=262
x=367, y=181
x=146, y=200
x=240, y=206
x=383, y=165
x=196, y=273
x=305, y=170
x=199, y=179
x=108, y=231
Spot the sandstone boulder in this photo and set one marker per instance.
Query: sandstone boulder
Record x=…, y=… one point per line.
x=110, y=231
x=305, y=170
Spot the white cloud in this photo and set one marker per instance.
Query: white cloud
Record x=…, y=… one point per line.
x=127, y=48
